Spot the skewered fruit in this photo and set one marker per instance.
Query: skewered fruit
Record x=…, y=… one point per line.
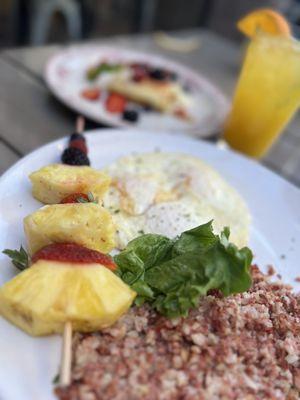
x=54, y=182
x=42, y=298
x=87, y=224
x=75, y=156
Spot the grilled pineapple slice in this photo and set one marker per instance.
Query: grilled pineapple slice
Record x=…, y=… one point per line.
x=54, y=182
x=42, y=298
x=87, y=224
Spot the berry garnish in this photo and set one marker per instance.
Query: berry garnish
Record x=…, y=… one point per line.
x=158, y=74
x=77, y=136
x=73, y=253
x=74, y=156
x=79, y=144
x=91, y=94
x=115, y=103
x=130, y=115
x=139, y=76
x=79, y=198
x=139, y=72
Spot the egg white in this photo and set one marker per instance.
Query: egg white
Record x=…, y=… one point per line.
x=169, y=193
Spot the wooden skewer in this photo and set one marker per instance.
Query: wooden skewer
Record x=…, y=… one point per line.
x=66, y=351
x=80, y=123
x=66, y=356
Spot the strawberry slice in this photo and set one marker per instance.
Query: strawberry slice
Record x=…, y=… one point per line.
x=115, y=103
x=75, y=198
x=91, y=94
x=181, y=113
x=79, y=144
x=73, y=253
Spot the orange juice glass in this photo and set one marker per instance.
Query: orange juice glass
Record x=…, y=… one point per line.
x=267, y=94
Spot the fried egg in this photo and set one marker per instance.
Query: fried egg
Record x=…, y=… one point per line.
x=167, y=193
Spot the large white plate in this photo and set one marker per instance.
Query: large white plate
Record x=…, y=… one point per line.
x=65, y=76
x=29, y=364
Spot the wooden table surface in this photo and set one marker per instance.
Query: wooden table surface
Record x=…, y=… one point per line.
x=30, y=116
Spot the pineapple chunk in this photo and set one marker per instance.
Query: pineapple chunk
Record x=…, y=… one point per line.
x=42, y=298
x=52, y=183
x=87, y=224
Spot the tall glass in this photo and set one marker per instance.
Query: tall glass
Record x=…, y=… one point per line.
x=267, y=94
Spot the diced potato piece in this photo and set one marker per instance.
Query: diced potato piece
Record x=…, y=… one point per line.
x=87, y=224
x=52, y=183
x=42, y=298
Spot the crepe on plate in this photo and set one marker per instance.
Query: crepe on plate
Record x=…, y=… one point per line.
x=164, y=96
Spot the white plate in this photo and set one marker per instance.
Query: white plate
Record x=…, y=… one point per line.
x=65, y=76
x=29, y=364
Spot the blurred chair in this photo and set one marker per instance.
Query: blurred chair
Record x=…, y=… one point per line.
x=145, y=11
x=42, y=12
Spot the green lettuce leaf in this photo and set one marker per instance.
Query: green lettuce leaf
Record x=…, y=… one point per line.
x=172, y=275
x=197, y=239
x=93, y=72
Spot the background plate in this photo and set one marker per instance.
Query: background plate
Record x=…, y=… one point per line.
x=65, y=76
x=28, y=365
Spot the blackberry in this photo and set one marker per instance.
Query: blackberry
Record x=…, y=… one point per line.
x=130, y=115
x=74, y=156
x=77, y=136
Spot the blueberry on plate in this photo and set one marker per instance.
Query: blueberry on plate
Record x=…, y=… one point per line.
x=158, y=74
x=130, y=115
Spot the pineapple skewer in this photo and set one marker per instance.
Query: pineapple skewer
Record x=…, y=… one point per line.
x=84, y=294
x=66, y=351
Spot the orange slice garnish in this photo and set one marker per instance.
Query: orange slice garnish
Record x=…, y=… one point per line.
x=266, y=20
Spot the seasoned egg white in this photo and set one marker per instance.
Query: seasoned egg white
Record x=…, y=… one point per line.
x=169, y=193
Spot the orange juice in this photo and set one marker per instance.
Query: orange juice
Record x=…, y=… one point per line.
x=267, y=94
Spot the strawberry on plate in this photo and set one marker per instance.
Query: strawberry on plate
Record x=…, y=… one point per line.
x=91, y=94
x=115, y=103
